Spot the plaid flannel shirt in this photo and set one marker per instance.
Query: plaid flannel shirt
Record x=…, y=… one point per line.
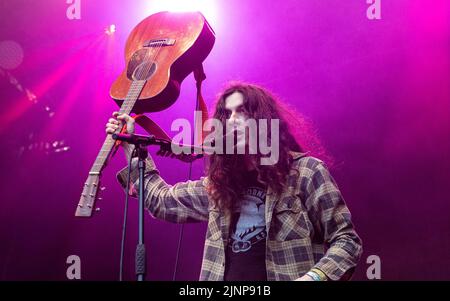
x=308, y=225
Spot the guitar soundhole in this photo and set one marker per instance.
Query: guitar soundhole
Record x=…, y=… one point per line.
x=144, y=71
x=141, y=65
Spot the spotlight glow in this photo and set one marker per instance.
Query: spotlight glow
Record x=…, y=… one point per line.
x=111, y=29
x=207, y=7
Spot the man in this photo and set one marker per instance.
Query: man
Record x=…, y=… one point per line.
x=284, y=221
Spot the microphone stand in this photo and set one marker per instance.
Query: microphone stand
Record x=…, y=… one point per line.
x=140, y=142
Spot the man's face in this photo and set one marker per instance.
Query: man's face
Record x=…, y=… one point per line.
x=236, y=117
x=234, y=107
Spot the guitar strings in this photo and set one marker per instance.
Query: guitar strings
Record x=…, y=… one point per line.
x=142, y=71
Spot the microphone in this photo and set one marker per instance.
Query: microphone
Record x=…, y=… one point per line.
x=135, y=139
x=165, y=146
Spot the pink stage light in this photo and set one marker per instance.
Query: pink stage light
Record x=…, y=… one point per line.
x=111, y=29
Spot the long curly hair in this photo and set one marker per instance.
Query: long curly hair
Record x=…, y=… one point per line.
x=227, y=173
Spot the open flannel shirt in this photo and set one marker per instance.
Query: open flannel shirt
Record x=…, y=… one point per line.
x=308, y=225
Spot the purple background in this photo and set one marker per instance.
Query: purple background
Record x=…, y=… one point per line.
x=377, y=91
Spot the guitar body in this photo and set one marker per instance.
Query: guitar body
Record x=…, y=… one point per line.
x=168, y=46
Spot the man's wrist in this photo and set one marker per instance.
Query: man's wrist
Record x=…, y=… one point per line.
x=317, y=275
x=314, y=276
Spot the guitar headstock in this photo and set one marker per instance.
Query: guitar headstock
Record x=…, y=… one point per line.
x=89, y=195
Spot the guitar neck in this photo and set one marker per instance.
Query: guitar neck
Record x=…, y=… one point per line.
x=108, y=145
x=90, y=188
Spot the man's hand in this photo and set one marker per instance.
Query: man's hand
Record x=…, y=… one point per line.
x=113, y=123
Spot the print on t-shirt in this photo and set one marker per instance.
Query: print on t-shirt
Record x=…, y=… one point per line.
x=251, y=225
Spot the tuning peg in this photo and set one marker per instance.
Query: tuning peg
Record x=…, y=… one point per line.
x=102, y=188
x=97, y=209
x=99, y=199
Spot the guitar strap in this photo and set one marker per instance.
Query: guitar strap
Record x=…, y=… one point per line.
x=200, y=76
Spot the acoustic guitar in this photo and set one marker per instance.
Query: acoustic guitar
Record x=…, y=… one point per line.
x=160, y=52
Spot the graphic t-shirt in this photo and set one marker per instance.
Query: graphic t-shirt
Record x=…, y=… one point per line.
x=246, y=251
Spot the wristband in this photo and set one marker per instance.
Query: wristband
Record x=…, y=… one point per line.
x=314, y=276
x=321, y=274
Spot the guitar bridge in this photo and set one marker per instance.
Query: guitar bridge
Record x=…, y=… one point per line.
x=159, y=43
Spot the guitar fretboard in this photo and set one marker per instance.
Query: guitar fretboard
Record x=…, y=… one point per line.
x=128, y=104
